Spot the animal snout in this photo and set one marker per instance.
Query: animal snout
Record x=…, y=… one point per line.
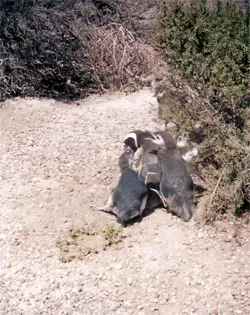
x=186, y=214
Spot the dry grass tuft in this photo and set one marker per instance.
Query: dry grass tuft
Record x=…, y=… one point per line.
x=77, y=243
x=119, y=60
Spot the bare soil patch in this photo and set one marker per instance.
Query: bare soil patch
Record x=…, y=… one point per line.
x=58, y=163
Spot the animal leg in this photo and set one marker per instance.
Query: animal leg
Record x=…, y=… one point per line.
x=193, y=170
x=110, y=205
x=161, y=196
x=143, y=204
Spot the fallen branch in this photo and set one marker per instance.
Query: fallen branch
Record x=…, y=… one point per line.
x=216, y=188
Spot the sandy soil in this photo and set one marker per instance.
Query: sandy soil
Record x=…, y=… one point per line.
x=58, y=162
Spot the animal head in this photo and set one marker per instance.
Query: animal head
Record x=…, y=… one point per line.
x=135, y=139
x=158, y=140
x=125, y=216
x=182, y=140
x=171, y=125
x=167, y=137
x=126, y=159
x=185, y=212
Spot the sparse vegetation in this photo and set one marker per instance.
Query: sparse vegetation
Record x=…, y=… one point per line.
x=77, y=243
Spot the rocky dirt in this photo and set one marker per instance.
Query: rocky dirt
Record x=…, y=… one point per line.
x=58, y=163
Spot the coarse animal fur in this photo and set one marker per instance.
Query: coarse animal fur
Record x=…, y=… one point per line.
x=128, y=199
x=176, y=186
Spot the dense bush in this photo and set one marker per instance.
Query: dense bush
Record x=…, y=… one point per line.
x=210, y=47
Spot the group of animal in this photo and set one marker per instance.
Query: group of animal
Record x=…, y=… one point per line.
x=154, y=172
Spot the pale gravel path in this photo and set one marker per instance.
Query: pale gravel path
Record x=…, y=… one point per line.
x=57, y=162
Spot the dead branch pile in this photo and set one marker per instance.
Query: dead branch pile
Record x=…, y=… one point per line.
x=118, y=60
x=41, y=56
x=62, y=49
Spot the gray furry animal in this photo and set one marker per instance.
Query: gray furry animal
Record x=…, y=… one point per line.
x=166, y=137
x=135, y=139
x=185, y=146
x=145, y=162
x=126, y=159
x=148, y=166
x=187, y=149
x=149, y=170
x=163, y=177
x=128, y=199
x=176, y=186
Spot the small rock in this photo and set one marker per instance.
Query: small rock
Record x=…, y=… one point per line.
x=130, y=281
x=118, y=266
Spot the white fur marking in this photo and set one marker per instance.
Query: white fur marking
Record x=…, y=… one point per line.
x=161, y=196
x=190, y=154
x=133, y=136
x=158, y=140
x=182, y=142
x=195, y=151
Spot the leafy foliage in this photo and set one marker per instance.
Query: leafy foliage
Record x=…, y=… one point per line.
x=224, y=158
x=210, y=47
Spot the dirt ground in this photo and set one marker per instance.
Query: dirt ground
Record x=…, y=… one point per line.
x=58, y=163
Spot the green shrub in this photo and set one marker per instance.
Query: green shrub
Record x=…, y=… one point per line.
x=210, y=47
x=224, y=158
x=210, y=50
